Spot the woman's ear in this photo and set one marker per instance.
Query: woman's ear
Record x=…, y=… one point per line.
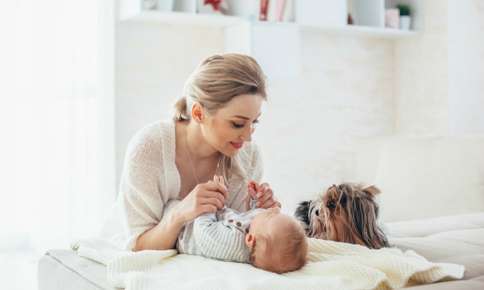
x=250, y=240
x=197, y=112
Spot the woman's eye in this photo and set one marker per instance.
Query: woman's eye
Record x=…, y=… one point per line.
x=237, y=125
x=242, y=125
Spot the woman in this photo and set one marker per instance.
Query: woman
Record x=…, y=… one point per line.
x=169, y=166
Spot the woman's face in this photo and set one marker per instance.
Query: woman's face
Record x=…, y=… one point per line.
x=231, y=126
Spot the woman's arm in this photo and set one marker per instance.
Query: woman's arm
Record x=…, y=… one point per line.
x=204, y=198
x=163, y=236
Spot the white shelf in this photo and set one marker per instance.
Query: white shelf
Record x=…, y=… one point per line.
x=365, y=31
x=184, y=18
x=222, y=21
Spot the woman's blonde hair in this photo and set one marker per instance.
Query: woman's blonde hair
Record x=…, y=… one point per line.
x=217, y=80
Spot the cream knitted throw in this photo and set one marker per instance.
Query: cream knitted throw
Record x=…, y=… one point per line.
x=331, y=265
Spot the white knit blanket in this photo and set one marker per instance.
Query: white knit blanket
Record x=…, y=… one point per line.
x=331, y=265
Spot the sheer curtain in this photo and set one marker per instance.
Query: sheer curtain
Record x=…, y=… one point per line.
x=57, y=121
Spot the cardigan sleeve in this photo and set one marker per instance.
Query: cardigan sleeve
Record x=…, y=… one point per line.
x=140, y=203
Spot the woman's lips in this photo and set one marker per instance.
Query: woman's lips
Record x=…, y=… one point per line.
x=237, y=145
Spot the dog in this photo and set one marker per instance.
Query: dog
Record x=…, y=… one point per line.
x=344, y=213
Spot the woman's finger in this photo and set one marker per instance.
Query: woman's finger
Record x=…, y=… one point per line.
x=208, y=208
x=263, y=188
x=213, y=186
x=213, y=194
x=213, y=201
x=267, y=196
x=271, y=204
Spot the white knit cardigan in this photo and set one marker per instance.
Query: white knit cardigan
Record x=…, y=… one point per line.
x=150, y=180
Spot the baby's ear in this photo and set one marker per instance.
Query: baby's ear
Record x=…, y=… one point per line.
x=250, y=240
x=371, y=190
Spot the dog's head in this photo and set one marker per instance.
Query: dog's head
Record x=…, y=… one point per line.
x=344, y=213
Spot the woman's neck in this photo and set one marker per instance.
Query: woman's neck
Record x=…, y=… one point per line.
x=197, y=145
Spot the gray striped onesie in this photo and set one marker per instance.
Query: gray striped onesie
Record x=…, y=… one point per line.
x=218, y=236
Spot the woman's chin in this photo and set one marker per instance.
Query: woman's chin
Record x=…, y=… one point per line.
x=230, y=151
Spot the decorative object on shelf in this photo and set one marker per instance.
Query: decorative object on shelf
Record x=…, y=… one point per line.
x=189, y=6
x=165, y=5
x=149, y=4
x=288, y=14
x=405, y=16
x=280, y=6
x=392, y=18
x=349, y=21
x=276, y=10
x=212, y=7
x=264, y=10
x=247, y=9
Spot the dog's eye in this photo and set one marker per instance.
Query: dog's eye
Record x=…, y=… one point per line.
x=331, y=204
x=317, y=212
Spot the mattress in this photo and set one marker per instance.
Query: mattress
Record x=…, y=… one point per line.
x=454, y=239
x=64, y=269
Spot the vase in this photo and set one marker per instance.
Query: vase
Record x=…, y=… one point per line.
x=405, y=22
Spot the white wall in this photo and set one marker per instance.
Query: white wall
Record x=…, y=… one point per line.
x=440, y=73
x=466, y=67
x=421, y=72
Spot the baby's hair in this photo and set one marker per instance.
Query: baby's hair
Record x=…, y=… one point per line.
x=288, y=250
x=293, y=249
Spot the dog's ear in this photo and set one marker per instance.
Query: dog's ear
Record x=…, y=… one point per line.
x=302, y=212
x=372, y=190
x=364, y=215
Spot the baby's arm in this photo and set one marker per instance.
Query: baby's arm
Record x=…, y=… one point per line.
x=218, y=241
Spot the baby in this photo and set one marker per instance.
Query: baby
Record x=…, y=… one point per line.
x=265, y=238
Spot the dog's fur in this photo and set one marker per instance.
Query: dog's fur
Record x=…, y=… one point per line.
x=344, y=213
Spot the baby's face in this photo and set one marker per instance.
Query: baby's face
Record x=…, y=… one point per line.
x=271, y=225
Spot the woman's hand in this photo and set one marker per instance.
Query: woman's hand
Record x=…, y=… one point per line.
x=204, y=198
x=263, y=194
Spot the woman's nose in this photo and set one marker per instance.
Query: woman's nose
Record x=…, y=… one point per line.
x=247, y=135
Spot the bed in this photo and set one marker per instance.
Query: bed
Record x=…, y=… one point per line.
x=448, y=229
x=454, y=239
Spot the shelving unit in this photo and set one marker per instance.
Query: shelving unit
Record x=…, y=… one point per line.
x=224, y=21
x=259, y=38
x=368, y=15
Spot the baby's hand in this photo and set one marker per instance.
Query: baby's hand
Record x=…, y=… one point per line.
x=263, y=194
x=253, y=187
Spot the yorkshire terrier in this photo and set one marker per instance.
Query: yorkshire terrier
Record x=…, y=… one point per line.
x=344, y=213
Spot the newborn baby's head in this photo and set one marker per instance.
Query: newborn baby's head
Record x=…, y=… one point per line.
x=277, y=242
